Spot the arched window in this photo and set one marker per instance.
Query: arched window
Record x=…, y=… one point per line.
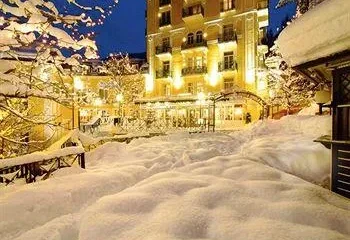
x=199, y=37
x=190, y=37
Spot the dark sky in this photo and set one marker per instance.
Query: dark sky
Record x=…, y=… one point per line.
x=124, y=30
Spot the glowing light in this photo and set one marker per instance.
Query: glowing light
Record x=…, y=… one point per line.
x=119, y=97
x=205, y=35
x=184, y=39
x=177, y=82
x=78, y=83
x=159, y=15
x=214, y=78
x=238, y=111
x=45, y=76
x=97, y=102
x=201, y=96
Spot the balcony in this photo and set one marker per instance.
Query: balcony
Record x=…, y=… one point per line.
x=163, y=3
x=187, y=45
x=227, y=66
x=163, y=74
x=163, y=50
x=194, y=70
x=193, y=13
x=227, y=5
x=224, y=38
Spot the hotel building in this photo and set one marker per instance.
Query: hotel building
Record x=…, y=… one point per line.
x=197, y=49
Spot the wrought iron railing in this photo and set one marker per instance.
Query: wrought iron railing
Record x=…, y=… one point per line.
x=163, y=74
x=231, y=37
x=194, y=44
x=194, y=70
x=163, y=49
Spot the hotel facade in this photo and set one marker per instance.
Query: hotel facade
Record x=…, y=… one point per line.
x=199, y=49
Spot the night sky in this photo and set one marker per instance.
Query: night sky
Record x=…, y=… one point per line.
x=124, y=30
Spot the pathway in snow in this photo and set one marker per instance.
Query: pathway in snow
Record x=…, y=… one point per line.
x=185, y=186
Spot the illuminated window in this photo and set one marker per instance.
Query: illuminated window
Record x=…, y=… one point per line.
x=190, y=38
x=190, y=88
x=228, y=60
x=227, y=5
x=228, y=83
x=199, y=37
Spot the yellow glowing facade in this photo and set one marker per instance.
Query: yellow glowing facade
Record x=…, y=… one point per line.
x=207, y=46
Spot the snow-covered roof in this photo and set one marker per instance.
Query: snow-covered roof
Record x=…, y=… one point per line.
x=321, y=32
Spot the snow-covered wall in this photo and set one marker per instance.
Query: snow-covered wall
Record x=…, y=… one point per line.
x=321, y=32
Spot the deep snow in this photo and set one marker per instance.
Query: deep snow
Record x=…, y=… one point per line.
x=182, y=186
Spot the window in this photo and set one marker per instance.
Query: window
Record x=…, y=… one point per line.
x=228, y=83
x=166, y=66
x=228, y=32
x=166, y=42
x=166, y=90
x=190, y=37
x=227, y=5
x=238, y=112
x=228, y=60
x=103, y=93
x=197, y=9
x=199, y=37
x=190, y=88
x=165, y=18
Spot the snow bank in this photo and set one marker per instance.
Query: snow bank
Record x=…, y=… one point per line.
x=288, y=145
x=320, y=32
x=185, y=186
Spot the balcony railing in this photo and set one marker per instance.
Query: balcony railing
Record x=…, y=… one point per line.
x=227, y=66
x=194, y=45
x=193, y=10
x=163, y=74
x=231, y=37
x=163, y=49
x=164, y=3
x=194, y=70
x=227, y=6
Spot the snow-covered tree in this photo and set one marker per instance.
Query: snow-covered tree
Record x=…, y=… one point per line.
x=288, y=88
x=302, y=5
x=33, y=35
x=125, y=78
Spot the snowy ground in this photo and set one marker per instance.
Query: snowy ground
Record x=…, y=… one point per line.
x=182, y=186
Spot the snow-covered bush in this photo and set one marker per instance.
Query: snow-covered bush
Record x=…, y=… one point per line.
x=35, y=38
